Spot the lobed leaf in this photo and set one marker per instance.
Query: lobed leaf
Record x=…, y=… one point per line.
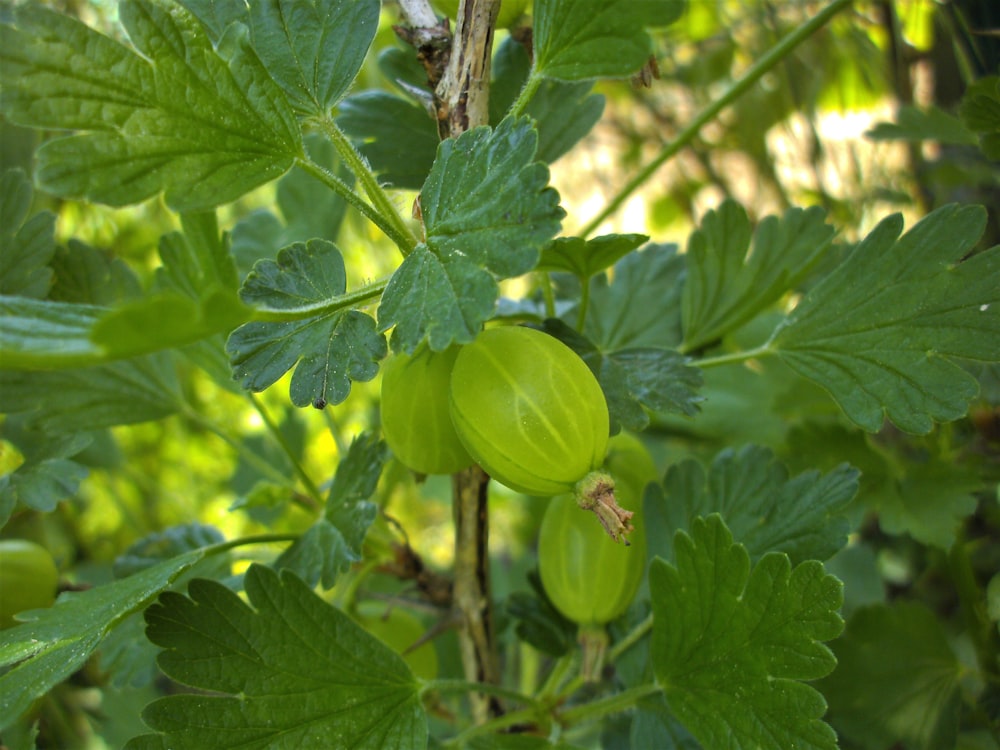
x=764, y=509
x=331, y=544
x=586, y=258
x=728, y=283
x=882, y=331
x=26, y=245
x=487, y=210
x=332, y=346
x=174, y=114
x=732, y=646
x=48, y=474
x=285, y=670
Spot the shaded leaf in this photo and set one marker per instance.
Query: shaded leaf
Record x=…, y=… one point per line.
x=26, y=245
x=586, y=258
x=913, y=124
x=728, y=283
x=732, y=646
x=331, y=544
x=487, y=210
x=174, y=114
x=882, y=330
x=331, y=346
x=766, y=510
x=86, y=275
x=285, y=670
x=48, y=474
x=980, y=111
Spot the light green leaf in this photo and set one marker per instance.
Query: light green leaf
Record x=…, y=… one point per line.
x=586, y=258
x=913, y=124
x=766, y=511
x=174, y=114
x=331, y=544
x=59, y=640
x=577, y=40
x=286, y=670
x=487, y=211
x=732, y=646
x=313, y=49
x=332, y=346
x=882, y=330
x=89, y=398
x=728, y=282
x=45, y=334
x=897, y=680
x=26, y=245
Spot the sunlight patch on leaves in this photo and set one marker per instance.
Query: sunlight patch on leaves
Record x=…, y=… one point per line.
x=287, y=670
x=764, y=509
x=332, y=346
x=577, y=40
x=331, y=544
x=731, y=645
x=728, y=282
x=487, y=211
x=175, y=115
x=60, y=639
x=881, y=332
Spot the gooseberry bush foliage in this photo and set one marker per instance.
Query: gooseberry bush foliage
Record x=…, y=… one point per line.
x=722, y=625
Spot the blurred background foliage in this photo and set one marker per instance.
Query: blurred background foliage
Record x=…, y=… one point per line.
x=808, y=134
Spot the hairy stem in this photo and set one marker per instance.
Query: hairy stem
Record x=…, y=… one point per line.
x=774, y=56
x=347, y=301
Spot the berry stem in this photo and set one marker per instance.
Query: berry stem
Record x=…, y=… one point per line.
x=596, y=492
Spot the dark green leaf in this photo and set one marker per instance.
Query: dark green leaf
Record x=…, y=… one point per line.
x=286, y=670
x=313, y=49
x=334, y=542
x=897, y=680
x=486, y=211
x=332, y=346
x=728, y=283
x=86, y=275
x=914, y=124
x=399, y=139
x=538, y=622
x=766, y=510
x=26, y=245
x=576, y=40
x=47, y=476
x=586, y=258
x=881, y=331
x=59, y=640
x=732, y=646
x=980, y=111
x=173, y=115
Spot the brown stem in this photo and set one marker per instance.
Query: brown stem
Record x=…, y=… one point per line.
x=463, y=93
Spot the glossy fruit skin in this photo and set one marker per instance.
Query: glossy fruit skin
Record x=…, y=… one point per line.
x=399, y=630
x=415, y=417
x=510, y=10
x=528, y=410
x=589, y=577
x=28, y=578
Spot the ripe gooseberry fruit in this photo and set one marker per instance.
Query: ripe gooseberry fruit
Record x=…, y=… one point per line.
x=28, y=578
x=415, y=416
x=510, y=11
x=532, y=414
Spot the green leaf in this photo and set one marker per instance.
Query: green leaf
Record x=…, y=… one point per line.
x=59, y=640
x=286, y=670
x=728, y=283
x=980, y=111
x=577, y=40
x=881, y=331
x=487, y=211
x=732, y=646
x=332, y=346
x=399, y=139
x=331, y=544
x=174, y=114
x=766, y=511
x=913, y=124
x=313, y=49
x=563, y=112
x=26, y=245
x=586, y=258
x=89, y=398
x=639, y=305
x=86, y=275
x=636, y=379
x=44, y=334
x=47, y=476
x=897, y=680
